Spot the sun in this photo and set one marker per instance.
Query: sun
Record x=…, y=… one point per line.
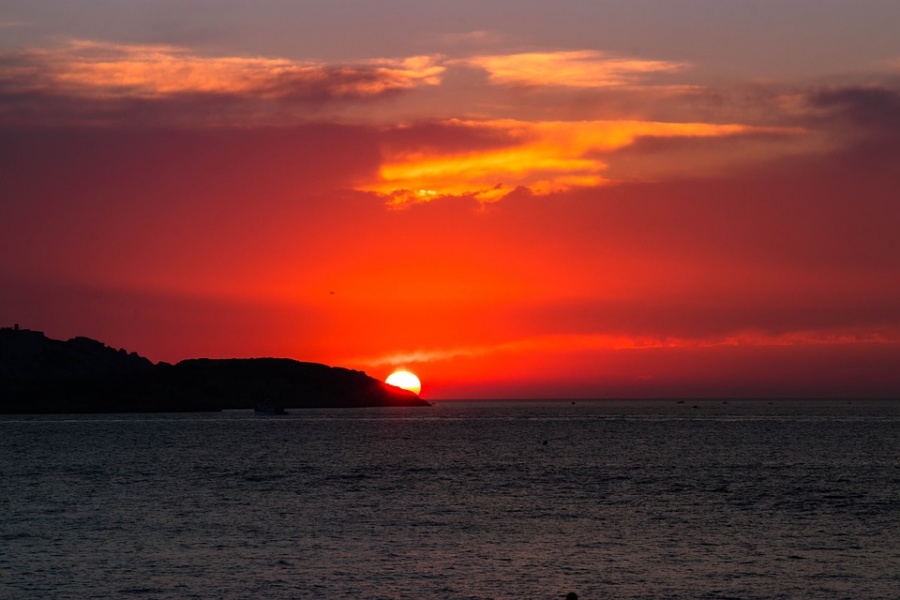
x=405, y=380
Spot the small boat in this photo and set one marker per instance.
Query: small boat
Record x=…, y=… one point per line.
x=269, y=410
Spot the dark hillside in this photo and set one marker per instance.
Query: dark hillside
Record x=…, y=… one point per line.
x=81, y=375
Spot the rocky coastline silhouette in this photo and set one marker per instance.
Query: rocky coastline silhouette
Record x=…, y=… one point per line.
x=42, y=375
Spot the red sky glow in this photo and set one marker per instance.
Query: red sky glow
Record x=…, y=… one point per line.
x=591, y=200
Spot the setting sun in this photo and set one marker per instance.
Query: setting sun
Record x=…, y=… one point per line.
x=404, y=380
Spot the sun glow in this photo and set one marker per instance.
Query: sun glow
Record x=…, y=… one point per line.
x=404, y=380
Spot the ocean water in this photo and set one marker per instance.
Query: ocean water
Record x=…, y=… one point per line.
x=639, y=499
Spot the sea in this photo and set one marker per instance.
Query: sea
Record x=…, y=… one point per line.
x=468, y=500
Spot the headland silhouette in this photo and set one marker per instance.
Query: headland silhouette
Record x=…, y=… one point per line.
x=82, y=375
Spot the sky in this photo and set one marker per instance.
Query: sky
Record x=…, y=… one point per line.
x=568, y=199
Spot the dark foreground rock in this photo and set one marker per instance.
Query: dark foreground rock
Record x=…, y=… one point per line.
x=41, y=375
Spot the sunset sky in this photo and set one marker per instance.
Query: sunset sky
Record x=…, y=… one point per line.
x=578, y=198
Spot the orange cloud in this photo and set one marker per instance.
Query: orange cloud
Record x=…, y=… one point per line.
x=544, y=157
x=97, y=69
x=580, y=69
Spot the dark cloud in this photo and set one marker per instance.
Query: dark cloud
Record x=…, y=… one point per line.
x=866, y=121
x=876, y=108
x=38, y=107
x=297, y=101
x=448, y=137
